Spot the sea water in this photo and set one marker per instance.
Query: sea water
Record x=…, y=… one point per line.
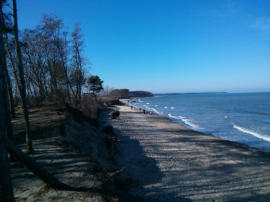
x=239, y=117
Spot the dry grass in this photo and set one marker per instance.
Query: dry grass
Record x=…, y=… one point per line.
x=91, y=106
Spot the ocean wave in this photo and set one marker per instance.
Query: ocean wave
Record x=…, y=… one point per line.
x=186, y=121
x=247, y=131
x=172, y=116
x=260, y=113
x=154, y=110
x=171, y=107
x=255, y=112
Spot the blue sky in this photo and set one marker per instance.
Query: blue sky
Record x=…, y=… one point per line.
x=169, y=45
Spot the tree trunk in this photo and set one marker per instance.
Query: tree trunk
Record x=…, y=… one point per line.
x=10, y=95
x=21, y=72
x=8, y=100
x=12, y=63
x=8, y=82
x=6, y=190
x=7, y=104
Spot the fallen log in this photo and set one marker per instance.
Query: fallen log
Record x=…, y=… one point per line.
x=115, y=115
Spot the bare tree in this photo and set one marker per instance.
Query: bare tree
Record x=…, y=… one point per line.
x=6, y=191
x=62, y=47
x=35, y=65
x=78, y=70
x=46, y=55
x=7, y=102
x=12, y=61
x=22, y=79
x=53, y=62
x=8, y=80
x=10, y=93
x=77, y=80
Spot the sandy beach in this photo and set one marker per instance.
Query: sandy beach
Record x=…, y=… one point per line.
x=165, y=161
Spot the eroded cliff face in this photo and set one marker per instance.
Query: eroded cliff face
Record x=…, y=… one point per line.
x=90, y=141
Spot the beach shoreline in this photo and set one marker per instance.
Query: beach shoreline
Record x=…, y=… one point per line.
x=183, y=164
x=126, y=102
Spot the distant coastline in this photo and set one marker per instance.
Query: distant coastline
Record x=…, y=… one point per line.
x=209, y=93
x=127, y=94
x=191, y=93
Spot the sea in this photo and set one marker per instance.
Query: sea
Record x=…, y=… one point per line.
x=238, y=117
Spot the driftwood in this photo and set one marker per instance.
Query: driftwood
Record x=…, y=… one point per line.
x=115, y=114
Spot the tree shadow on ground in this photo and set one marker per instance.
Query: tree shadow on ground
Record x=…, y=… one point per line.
x=194, y=165
x=53, y=154
x=141, y=172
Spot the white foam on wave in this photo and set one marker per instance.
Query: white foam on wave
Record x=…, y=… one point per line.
x=139, y=100
x=147, y=103
x=186, y=121
x=172, y=107
x=156, y=105
x=172, y=116
x=154, y=110
x=165, y=107
x=250, y=132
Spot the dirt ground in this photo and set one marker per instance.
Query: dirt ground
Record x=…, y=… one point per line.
x=69, y=150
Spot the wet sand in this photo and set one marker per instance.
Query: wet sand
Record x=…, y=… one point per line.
x=166, y=161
